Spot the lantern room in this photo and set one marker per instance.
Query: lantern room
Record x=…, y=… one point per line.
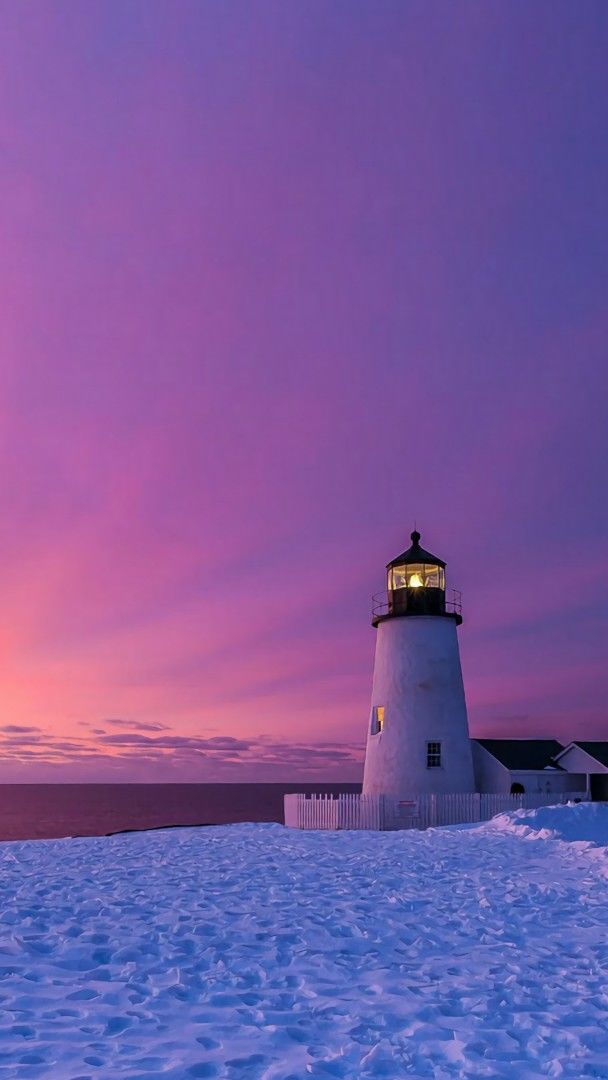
x=416, y=582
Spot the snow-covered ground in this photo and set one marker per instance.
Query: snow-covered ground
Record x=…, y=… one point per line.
x=253, y=951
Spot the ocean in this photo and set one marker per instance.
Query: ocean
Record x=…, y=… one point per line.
x=45, y=811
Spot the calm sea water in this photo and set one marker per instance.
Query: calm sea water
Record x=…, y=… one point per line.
x=37, y=811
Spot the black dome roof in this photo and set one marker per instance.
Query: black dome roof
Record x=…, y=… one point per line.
x=416, y=554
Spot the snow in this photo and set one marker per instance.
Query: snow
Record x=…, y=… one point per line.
x=579, y=822
x=254, y=952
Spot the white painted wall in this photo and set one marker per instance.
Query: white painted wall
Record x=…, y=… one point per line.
x=418, y=680
x=490, y=776
x=579, y=761
x=547, y=781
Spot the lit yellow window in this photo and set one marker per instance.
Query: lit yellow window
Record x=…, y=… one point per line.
x=416, y=576
x=377, y=719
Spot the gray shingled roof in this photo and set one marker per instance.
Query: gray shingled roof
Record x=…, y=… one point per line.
x=525, y=753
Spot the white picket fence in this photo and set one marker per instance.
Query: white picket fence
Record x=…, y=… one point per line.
x=382, y=812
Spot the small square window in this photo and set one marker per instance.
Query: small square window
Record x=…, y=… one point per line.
x=433, y=755
x=377, y=719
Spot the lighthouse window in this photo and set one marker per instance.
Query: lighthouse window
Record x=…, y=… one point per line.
x=434, y=577
x=416, y=576
x=433, y=755
x=377, y=719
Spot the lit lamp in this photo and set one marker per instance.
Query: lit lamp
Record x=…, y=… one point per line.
x=416, y=582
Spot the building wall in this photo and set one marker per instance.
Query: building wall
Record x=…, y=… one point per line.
x=491, y=777
x=546, y=781
x=576, y=760
x=418, y=681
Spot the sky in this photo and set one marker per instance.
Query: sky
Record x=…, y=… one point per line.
x=278, y=281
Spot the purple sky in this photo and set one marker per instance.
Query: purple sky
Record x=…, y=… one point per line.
x=279, y=279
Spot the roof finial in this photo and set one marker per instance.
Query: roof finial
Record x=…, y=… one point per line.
x=415, y=536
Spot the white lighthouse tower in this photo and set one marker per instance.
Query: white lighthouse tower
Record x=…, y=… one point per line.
x=418, y=736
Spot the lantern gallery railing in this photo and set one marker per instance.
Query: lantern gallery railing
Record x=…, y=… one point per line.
x=383, y=604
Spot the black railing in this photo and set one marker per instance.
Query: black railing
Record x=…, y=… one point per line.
x=383, y=605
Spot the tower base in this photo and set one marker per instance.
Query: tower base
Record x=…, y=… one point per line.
x=418, y=736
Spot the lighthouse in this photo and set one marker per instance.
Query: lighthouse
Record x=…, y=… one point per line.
x=418, y=735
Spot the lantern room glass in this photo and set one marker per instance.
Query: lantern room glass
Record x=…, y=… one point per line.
x=416, y=576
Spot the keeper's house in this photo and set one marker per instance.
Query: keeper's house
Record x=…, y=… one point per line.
x=529, y=766
x=590, y=758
